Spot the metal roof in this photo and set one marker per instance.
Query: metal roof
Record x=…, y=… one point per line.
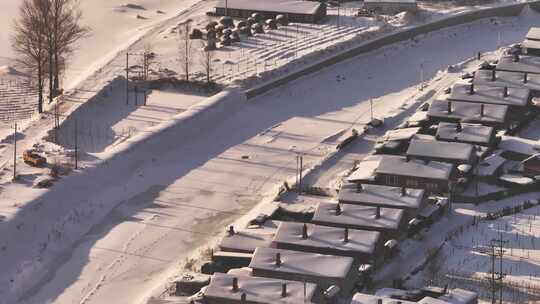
x=490, y=95
x=382, y=196
x=467, y=111
x=507, y=79
x=440, y=150
x=470, y=133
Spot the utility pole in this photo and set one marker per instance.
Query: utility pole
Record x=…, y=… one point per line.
x=76, y=146
x=371, y=108
x=127, y=78
x=496, y=278
x=15, y=152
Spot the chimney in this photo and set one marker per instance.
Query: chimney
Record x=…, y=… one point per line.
x=338, y=209
x=403, y=191
x=482, y=110
x=235, y=284
x=278, y=259
x=525, y=77
x=379, y=301
x=516, y=57
x=505, y=91
x=359, y=187
x=493, y=76
x=304, y=231
x=283, y=290
x=378, y=213
x=459, y=128
x=471, y=89
x=449, y=109
x=346, y=235
x=243, y=298
x=231, y=230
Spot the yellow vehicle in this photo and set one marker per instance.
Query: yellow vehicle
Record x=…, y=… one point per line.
x=32, y=158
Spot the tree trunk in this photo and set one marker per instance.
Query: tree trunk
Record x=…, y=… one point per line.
x=40, y=89
x=56, y=83
x=50, y=75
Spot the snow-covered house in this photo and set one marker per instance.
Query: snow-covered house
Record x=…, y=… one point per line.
x=521, y=64
x=508, y=79
x=244, y=241
x=323, y=270
x=388, y=221
x=391, y=6
x=441, y=151
x=531, y=45
x=381, y=196
x=358, y=244
x=518, y=148
x=232, y=289
x=507, y=96
x=401, y=171
x=296, y=11
x=531, y=165
x=475, y=134
x=456, y=111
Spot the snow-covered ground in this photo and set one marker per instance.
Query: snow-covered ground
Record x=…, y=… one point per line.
x=168, y=200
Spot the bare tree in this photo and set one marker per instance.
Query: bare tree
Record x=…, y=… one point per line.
x=185, y=47
x=29, y=43
x=206, y=58
x=65, y=30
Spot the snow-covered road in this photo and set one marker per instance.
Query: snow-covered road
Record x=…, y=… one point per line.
x=178, y=198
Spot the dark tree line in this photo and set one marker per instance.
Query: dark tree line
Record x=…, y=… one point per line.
x=44, y=36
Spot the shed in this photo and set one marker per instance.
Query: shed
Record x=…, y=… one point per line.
x=475, y=134
x=381, y=196
x=456, y=111
x=358, y=244
x=323, y=270
x=448, y=152
x=388, y=221
x=228, y=289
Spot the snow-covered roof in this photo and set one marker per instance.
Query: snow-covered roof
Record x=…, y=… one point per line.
x=468, y=112
x=529, y=64
x=430, y=300
x=379, y=195
x=277, y=6
x=257, y=290
x=245, y=241
x=362, y=298
x=400, y=134
x=323, y=237
x=519, y=145
x=490, y=164
x=441, y=150
x=391, y=1
x=366, y=168
x=358, y=217
x=531, y=44
x=486, y=94
x=533, y=34
x=297, y=262
x=469, y=133
x=507, y=79
x=417, y=117
x=424, y=137
x=460, y=296
x=398, y=165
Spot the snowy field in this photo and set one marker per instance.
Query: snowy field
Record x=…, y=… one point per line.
x=167, y=201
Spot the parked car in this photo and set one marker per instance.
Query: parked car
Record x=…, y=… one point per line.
x=32, y=158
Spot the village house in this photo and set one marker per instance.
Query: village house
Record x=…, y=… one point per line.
x=455, y=111
x=388, y=221
x=508, y=79
x=323, y=270
x=441, y=151
x=382, y=196
x=520, y=64
x=399, y=171
x=296, y=11
x=531, y=44
x=238, y=289
x=361, y=245
x=512, y=97
x=395, y=141
x=391, y=7
x=518, y=148
x=474, y=134
x=490, y=168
